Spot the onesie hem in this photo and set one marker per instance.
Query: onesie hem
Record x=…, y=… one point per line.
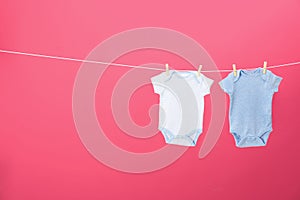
x=251, y=140
x=189, y=139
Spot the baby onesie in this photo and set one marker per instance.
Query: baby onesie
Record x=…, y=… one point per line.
x=181, y=105
x=250, y=112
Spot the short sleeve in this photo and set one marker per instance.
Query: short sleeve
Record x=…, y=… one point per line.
x=227, y=83
x=206, y=84
x=156, y=83
x=273, y=82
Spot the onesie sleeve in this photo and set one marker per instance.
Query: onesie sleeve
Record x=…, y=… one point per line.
x=157, y=84
x=227, y=83
x=206, y=85
x=273, y=82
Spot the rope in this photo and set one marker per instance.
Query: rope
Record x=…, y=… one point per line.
x=124, y=65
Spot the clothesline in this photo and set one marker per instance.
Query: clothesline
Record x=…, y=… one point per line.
x=124, y=65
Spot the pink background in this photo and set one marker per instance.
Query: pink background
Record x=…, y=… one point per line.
x=41, y=155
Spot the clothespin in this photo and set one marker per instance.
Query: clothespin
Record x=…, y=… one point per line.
x=167, y=69
x=199, y=70
x=265, y=67
x=234, y=69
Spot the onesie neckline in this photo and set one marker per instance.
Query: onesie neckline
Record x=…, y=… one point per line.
x=251, y=72
x=183, y=73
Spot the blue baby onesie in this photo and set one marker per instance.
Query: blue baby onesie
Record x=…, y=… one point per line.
x=250, y=113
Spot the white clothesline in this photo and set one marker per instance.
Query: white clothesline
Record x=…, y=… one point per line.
x=124, y=65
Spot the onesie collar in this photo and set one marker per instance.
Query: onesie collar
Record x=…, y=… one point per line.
x=257, y=70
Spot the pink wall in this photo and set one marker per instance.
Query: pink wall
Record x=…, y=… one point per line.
x=41, y=155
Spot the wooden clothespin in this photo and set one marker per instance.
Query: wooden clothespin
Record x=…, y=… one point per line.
x=199, y=70
x=234, y=69
x=167, y=69
x=265, y=67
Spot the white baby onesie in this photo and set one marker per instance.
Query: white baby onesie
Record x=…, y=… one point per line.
x=181, y=105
